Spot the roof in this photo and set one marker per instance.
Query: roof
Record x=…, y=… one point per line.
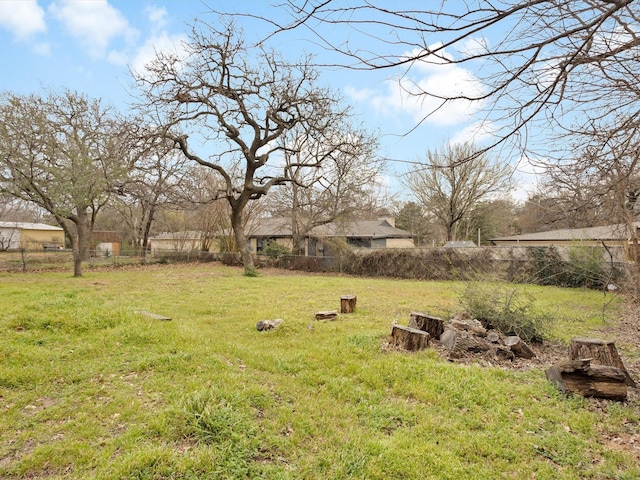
x=29, y=226
x=269, y=227
x=281, y=227
x=188, y=235
x=606, y=232
x=361, y=228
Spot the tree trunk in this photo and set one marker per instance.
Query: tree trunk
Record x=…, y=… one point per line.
x=579, y=376
x=600, y=352
x=434, y=326
x=241, y=240
x=408, y=338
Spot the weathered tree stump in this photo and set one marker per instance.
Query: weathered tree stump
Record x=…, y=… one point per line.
x=601, y=352
x=518, y=347
x=580, y=376
x=348, y=303
x=434, y=326
x=326, y=315
x=408, y=338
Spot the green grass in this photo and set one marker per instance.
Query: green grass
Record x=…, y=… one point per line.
x=90, y=389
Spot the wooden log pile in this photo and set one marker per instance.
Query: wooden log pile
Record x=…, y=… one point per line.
x=461, y=337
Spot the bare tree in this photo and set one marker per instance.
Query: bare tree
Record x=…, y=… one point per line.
x=156, y=181
x=348, y=168
x=560, y=65
x=452, y=182
x=226, y=106
x=64, y=153
x=412, y=217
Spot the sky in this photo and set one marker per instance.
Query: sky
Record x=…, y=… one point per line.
x=91, y=46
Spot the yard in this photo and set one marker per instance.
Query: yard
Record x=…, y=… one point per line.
x=90, y=388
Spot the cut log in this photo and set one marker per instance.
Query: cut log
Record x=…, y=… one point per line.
x=462, y=343
x=581, y=377
x=155, y=316
x=408, y=338
x=326, y=315
x=263, y=325
x=348, y=303
x=470, y=325
x=518, y=347
x=494, y=336
x=602, y=352
x=434, y=326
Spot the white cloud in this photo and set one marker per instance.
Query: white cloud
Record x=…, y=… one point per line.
x=527, y=176
x=416, y=92
x=157, y=16
x=95, y=24
x=163, y=42
x=23, y=18
x=475, y=133
x=43, y=49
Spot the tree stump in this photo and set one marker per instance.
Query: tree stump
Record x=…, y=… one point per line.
x=326, y=315
x=518, y=347
x=579, y=376
x=434, y=326
x=408, y=338
x=348, y=303
x=601, y=352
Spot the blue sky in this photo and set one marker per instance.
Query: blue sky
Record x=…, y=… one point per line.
x=91, y=45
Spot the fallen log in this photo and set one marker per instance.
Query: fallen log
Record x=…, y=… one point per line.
x=348, y=303
x=602, y=352
x=326, y=315
x=470, y=325
x=408, y=338
x=518, y=347
x=434, y=326
x=462, y=343
x=581, y=377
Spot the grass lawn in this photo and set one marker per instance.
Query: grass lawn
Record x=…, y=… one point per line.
x=90, y=389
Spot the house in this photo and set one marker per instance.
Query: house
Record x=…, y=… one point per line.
x=181, y=242
x=30, y=236
x=105, y=242
x=365, y=234
x=615, y=236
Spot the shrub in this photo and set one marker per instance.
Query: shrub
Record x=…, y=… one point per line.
x=275, y=250
x=505, y=307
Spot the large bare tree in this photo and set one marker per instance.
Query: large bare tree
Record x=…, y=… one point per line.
x=452, y=182
x=227, y=106
x=64, y=153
